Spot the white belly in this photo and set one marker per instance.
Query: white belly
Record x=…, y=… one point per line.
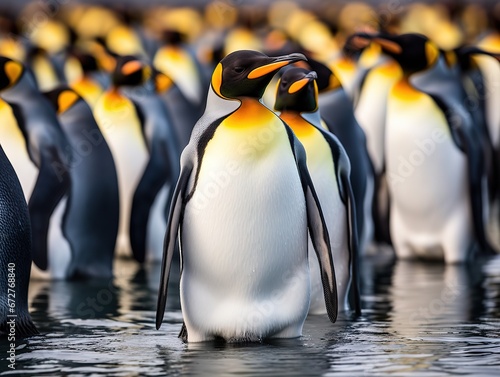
x=122, y=132
x=14, y=146
x=244, y=243
x=428, y=183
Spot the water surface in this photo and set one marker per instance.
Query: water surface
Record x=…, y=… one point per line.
x=418, y=319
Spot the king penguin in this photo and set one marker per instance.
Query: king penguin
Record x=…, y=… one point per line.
x=242, y=207
x=434, y=160
x=90, y=222
x=372, y=91
x=120, y=122
x=330, y=170
x=337, y=113
x=49, y=150
x=15, y=254
x=152, y=196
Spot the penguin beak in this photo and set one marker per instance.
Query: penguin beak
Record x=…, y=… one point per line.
x=131, y=67
x=275, y=64
x=362, y=40
x=473, y=50
x=298, y=85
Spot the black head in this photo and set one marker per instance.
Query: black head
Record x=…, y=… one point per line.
x=10, y=72
x=326, y=79
x=414, y=52
x=247, y=73
x=87, y=61
x=129, y=71
x=297, y=91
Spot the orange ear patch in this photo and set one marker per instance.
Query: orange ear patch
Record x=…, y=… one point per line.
x=265, y=69
x=13, y=70
x=217, y=79
x=65, y=100
x=131, y=67
x=431, y=52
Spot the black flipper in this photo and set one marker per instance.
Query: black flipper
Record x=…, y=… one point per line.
x=52, y=183
x=156, y=174
x=174, y=220
x=317, y=230
x=343, y=173
x=467, y=140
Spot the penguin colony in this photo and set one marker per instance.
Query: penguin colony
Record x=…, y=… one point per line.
x=272, y=147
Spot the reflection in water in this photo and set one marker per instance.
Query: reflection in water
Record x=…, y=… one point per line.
x=423, y=319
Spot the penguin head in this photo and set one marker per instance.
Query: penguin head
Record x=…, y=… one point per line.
x=246, y=73
x=465, y=56
x=326, y=80
x=130, y=71
x=297, y=91
x=414, y=52
x=10, y=72
x=62, y=98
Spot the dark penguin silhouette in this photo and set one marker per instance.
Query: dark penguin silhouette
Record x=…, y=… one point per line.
x=90, y=222
x=15, y=252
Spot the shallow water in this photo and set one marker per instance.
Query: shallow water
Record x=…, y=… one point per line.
x=418, y=319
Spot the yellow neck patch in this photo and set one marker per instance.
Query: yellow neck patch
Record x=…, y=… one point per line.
x=265, y=69
x=162, y=83
x=250, y=113
x=403, y=90
x=300, y=127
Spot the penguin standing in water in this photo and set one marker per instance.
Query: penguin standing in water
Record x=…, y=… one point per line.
x=90, y=222
x=337, y=113
x=330, y=171
x=242, y=207
x=435, y=164
x=49, y=149
x=371, y=93
x=120, y=122
x=15, y=254
x=152, y=196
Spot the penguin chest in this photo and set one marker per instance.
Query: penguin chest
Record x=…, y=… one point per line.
x=244, y=232
x=14, y=145
x=425, y=169
x=117, y=120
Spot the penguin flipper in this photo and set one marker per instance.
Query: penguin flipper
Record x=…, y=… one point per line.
x=174, y=220
x=343, y=173
x=52, y=184
x=353, y=241
x=153, y=178
x=467, y=141
x=317, y=230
